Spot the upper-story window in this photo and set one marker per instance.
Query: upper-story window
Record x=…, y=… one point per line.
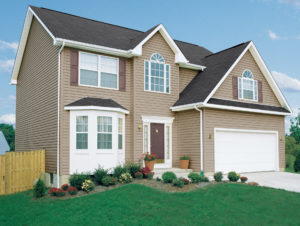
x=157, y=74
x=98, y=71
x=247, y=86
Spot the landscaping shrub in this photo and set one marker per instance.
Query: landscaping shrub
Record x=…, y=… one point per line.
x=158, y=179
x=39, y=188
x=72, y=190
x=150, y=175
x=233, y=176
x=133, y=168
x=106, y=181
x=253, y=183
x=185, y=181
x=289, y=161
x=168, y=177
x=65, y=187
x=145, y=171
x=119, y=170
x=88, y=186
x=218, y=176
x=194, y=177
x=138, y=175
x=204, y=179
x=297, y=163
x=184, y=157
x=178, y=183
x=56, y=192
x=99, y=174
x=113, y=181
x=125, y=178
x=244, y=179
x=77, y=179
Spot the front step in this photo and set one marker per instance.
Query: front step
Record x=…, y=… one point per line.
x=179, y=172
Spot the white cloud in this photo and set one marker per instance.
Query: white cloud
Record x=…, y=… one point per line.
x=273, y=35
x=294, y=3
x=12, y=97
x=9, y=45
x=8, y=119
x=6, y=65
x=285, y=82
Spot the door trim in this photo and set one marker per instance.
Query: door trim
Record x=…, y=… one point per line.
x=249, y=131
x=168, y=122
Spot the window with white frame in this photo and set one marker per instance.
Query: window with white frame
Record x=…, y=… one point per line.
x=120, y=133
x=247, y=86
x=99, y=71
x=157, y=74
x=82, y=132
x=104, y=130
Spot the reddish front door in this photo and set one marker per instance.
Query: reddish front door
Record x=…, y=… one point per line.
x=158, y=141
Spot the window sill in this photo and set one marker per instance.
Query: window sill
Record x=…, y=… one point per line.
x=243, y=99
x=99, y=87
x=156, y=92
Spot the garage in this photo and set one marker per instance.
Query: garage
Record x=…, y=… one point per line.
x=246, y=150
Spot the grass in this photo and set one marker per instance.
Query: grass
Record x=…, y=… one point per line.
x=134, y=204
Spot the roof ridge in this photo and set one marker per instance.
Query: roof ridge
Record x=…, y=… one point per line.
x=227, y=49
x=85, y=18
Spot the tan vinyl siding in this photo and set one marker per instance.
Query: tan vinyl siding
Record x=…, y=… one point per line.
x=247, y=62
x=238, y=120
x=150, y=103
x=188, y=138
x=70, y=94
x=185, y=77
x=36, y=96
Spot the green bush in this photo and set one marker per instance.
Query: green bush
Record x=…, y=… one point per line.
x=119, y=170
x=178, y=183
x=289, y=161
x=168, y=177
x=204, y=179
x=88, y=186
x=133, y=168
x=233, y=176
x=125, y=178
x=218, y=176
x=194, y=177
x=39, y=188
x=297, y=163
x=158, y=179
x=99, y=174
x=77, y=179
x=113, y=181
x=106, y=181
x=138, y=175
x=150, y=175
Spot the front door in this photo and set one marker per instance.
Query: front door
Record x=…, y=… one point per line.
x=158, y=142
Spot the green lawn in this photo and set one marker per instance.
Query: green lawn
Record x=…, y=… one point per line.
x=133, y=204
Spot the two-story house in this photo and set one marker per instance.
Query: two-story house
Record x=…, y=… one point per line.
x=93, y=93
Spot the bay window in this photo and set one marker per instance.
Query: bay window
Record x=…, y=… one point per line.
x=104, y=130
x=82, y=132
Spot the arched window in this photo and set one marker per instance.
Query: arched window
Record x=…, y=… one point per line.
x=157, y=74
x=247, y=86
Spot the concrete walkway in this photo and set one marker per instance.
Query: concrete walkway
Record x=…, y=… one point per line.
x=281, y=180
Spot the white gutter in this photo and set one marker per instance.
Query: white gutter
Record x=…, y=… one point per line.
x=201, y=137
x=58, y=118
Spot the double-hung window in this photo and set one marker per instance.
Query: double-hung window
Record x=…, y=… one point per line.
x=120, y=133
x=82, y=132
x=247, y=86
x=99, y=71
x=104, y=130
x=157, y=74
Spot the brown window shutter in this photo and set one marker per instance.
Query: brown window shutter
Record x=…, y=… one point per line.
x=259, y=89
x=74, y=68
x=122, y=74
x=235, y=90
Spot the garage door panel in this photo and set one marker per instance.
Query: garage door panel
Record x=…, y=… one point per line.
x=245, y=151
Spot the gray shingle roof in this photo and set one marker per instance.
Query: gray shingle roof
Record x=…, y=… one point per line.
x=3, y=144
x=92, y=101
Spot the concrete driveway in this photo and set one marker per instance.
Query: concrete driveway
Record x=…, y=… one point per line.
x=281, y=180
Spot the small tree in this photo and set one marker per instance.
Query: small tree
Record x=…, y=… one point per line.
x=297, y=163
x=295, y=128
x=39, y=189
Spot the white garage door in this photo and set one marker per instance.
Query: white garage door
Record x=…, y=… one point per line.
x=245, y=151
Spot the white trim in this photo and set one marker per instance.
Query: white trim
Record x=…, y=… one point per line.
x=201, y=138
x=186, y=106
x=192, y=66
x=252, y=131
x=157, y=119
x=255, y=92
x=98, y=108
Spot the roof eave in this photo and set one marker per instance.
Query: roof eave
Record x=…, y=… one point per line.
x=92, y=107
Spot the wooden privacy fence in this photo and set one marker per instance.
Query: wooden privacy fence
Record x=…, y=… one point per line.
x=19, y=170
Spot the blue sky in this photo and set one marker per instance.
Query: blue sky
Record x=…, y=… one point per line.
x=273, y=25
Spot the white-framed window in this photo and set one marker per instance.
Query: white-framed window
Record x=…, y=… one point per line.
x=82, y=132
x=247, y=86
x=98, y=71
x=120, y=133
x=157, y=74
x=104, y=132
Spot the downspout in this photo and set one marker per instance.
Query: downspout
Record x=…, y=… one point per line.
x=58, y=118
x=201, y=138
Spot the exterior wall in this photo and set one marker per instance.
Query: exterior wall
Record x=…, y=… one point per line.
x=185, y=77
x=188, y=138
x=238, y=120
x=247, y=62
x=151, y=103
x=36, y=96
x=70, y=94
